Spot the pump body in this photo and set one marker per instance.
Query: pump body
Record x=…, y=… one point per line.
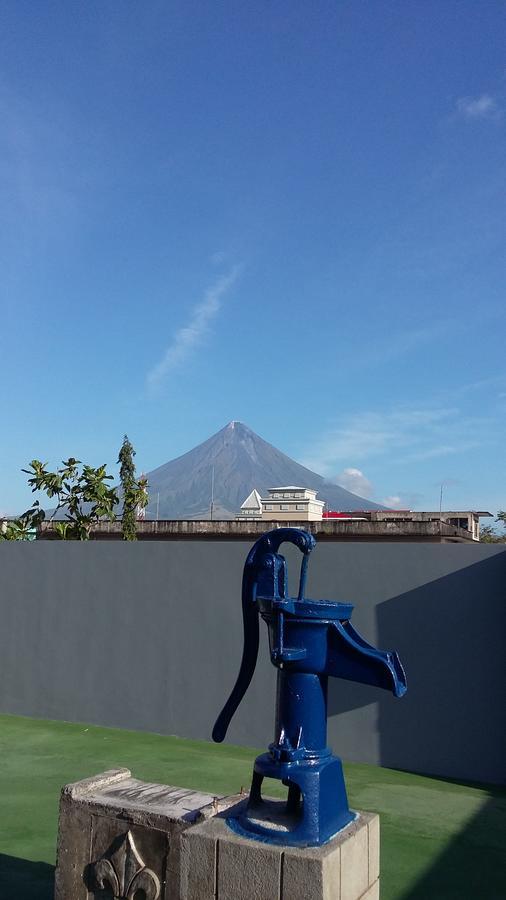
x=309, y=640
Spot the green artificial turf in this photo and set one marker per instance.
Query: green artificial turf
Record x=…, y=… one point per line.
x=439, y=839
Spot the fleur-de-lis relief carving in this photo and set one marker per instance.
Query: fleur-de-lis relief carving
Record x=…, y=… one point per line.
x=125, y=873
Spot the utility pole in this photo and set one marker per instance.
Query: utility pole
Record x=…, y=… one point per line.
x=157, y=505
x=212, y=494
x=441, y=499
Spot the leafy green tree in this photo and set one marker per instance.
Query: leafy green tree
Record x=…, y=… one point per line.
x=134, y=491
x=489, y=533
x=23, y=528
x=83, y=494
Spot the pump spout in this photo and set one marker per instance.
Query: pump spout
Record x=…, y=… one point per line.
x=352, y=658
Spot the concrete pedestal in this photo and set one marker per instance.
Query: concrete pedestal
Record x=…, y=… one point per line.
x=218, y=864
x=120, y=837
x=126, y=839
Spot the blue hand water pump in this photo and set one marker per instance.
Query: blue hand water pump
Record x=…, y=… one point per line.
x=309, y=640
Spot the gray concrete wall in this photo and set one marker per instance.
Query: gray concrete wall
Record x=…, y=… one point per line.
x=149, y=636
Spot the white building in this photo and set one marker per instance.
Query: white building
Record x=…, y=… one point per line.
x=292, y=504
x=252, y=506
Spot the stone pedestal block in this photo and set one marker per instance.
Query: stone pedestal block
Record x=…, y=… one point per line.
x=127, y=839
x=218, y=864
x=120, y=837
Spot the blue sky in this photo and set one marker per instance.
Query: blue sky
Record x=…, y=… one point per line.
x=290, y=214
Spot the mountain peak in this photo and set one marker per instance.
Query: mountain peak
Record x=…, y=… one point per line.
x=234, y=461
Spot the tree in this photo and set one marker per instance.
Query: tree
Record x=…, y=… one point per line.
x=489, y=534
x=83, y=494
x=23, y=528
x=134, y=492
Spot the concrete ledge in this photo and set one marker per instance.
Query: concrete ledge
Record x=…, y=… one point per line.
x=412, y=529
x=114, y=828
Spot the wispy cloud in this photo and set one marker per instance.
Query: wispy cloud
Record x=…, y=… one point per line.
x=40, y=166
x=218, y=258
x=407, y=435
x=405, y=342
x=192, y=334
x=442, y=450
x=400, y=343
x=483, y=107
x=480, y=384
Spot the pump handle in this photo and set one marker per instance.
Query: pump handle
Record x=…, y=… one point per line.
x=269, y=543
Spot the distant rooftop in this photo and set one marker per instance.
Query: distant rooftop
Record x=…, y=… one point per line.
x=291, y=487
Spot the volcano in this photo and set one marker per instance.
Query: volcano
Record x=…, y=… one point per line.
x=237, y=460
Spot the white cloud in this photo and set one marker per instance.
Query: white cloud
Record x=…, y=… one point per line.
x=402, y=500
x=192, y=334
x=483, y=107
x=355, y=481
x=395, y=501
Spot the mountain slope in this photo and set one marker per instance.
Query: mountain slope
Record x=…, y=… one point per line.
x=242, y=461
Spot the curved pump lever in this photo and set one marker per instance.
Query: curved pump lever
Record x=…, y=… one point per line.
x=267, y=545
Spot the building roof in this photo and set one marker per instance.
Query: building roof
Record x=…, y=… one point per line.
x=292, y=487
x=253, y=501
